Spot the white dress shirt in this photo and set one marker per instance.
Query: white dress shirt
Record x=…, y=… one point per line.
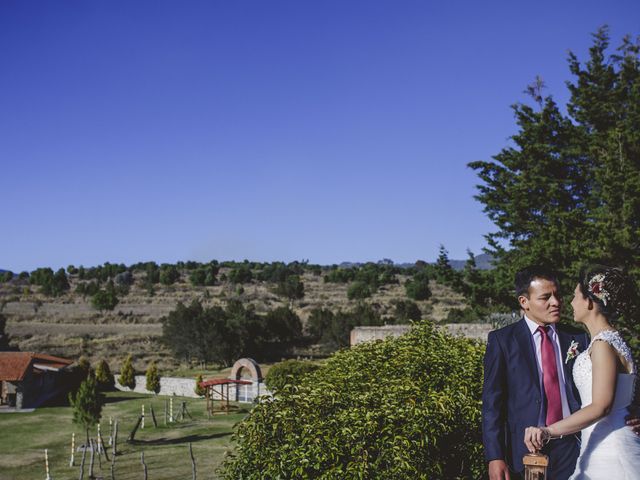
x=555, y=341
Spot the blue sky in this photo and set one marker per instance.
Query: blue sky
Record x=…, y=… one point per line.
x=269, y=130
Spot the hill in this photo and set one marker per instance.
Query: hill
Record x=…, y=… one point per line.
x=70, y=326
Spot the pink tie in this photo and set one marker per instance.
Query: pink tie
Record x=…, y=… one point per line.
x=550, y=378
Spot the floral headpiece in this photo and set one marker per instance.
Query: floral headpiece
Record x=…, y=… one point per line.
x=596, y=287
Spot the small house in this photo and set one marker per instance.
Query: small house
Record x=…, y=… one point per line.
x=29, y=380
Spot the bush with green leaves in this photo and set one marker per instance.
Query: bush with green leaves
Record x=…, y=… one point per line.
x=153, y=378
x=289, y=372
x=406, y=407
x=199, y=389
x=105, y=299
x=104, y=377
x=127, y=375
x=417, y=288
x=359, y=290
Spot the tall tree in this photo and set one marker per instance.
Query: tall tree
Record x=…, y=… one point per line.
x=87, y=403
x=568, y=190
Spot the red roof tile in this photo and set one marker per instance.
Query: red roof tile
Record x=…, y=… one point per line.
x=15, y=365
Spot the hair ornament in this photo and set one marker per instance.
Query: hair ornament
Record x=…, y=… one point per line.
x=596, y=287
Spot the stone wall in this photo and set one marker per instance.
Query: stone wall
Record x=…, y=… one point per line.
x=185, y=387
x=366, y=334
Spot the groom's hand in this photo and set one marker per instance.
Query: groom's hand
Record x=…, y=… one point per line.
x=633, y=419
x=498, y=470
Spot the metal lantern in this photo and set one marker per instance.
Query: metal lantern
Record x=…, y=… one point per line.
x=535, y=466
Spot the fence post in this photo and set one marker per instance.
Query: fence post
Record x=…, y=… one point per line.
x=153, y=416
x=193, y=463
x=46, y=463
x=73, y=448
x=144, y=465
x=91, y=460
x=115, y=438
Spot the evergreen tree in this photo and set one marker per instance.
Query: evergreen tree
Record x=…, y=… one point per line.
x=87, y=403
x=445, y=273
x=127, y=375
x=4, y=337
x=106, y=299
x=104, y=377
x=568, y=191
x=153, y=378
x=199, y=389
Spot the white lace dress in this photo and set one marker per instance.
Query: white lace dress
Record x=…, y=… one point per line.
x=609, y=449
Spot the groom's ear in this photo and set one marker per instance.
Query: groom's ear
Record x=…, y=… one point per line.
x=523, y=300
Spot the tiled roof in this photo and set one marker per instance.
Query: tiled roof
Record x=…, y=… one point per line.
x=15, y=365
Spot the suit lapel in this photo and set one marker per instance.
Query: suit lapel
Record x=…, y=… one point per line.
x=522, y=337
x=565, y=343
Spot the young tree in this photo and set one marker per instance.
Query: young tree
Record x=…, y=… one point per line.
x=153, y=378
x=199, y=389
x=127, y=375
x=104, y=377
x=417, y=288
x=87, y=404
x=4, y=337
x=106, y=299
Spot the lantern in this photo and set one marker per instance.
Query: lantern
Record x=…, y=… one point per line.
x=535, y=466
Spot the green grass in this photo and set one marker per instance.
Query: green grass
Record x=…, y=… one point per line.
x=24, y=436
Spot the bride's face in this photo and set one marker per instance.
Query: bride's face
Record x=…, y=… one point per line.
x=580, y=305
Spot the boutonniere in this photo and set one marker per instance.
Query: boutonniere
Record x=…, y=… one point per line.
x=572, y=352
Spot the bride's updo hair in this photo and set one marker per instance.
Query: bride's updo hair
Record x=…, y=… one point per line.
x=611, y=289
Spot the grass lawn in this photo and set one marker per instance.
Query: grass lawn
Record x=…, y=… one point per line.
x=24, y=436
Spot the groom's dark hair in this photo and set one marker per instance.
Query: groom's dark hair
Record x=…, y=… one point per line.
x=527, y=275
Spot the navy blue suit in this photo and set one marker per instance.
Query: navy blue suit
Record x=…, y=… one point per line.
x=512, y=397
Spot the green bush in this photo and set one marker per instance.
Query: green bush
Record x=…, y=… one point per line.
x=199, y=389
x=417, y=288
x=460, y=315
x=358, y=290
x=127, y=375
x=400, y=408
x=289, y=372
x=104, y=377
x=153, y=378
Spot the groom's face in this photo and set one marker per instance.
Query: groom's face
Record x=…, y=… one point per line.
x=542, y=304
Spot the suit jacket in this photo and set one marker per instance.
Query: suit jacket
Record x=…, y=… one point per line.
x=511, y=395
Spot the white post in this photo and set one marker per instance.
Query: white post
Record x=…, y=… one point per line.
x=46, y=463
x=99, y=440
x=142, y=424
x=110, y=430
x=73, y=449
x=170, y=409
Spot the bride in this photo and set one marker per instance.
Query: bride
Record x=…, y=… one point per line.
x=605, y=376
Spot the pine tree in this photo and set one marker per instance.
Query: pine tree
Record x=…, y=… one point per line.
x=568, y=191
x=153, y=378
x=104, y=377
x=87, y=403
x=199, y=390
x=127, y=375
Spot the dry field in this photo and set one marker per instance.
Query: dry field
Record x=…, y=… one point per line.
x=70, y=327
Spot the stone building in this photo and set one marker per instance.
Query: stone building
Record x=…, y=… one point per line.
x=29, y=380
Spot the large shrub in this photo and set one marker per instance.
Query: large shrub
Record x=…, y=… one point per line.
x=127, y=375
x=153, y=378
x=289, y=372
x=394, y=409
x=104, y=377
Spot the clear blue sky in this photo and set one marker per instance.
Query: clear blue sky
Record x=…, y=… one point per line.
x=269, y=130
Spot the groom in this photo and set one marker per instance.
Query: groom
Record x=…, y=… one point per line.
x=528, y=380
